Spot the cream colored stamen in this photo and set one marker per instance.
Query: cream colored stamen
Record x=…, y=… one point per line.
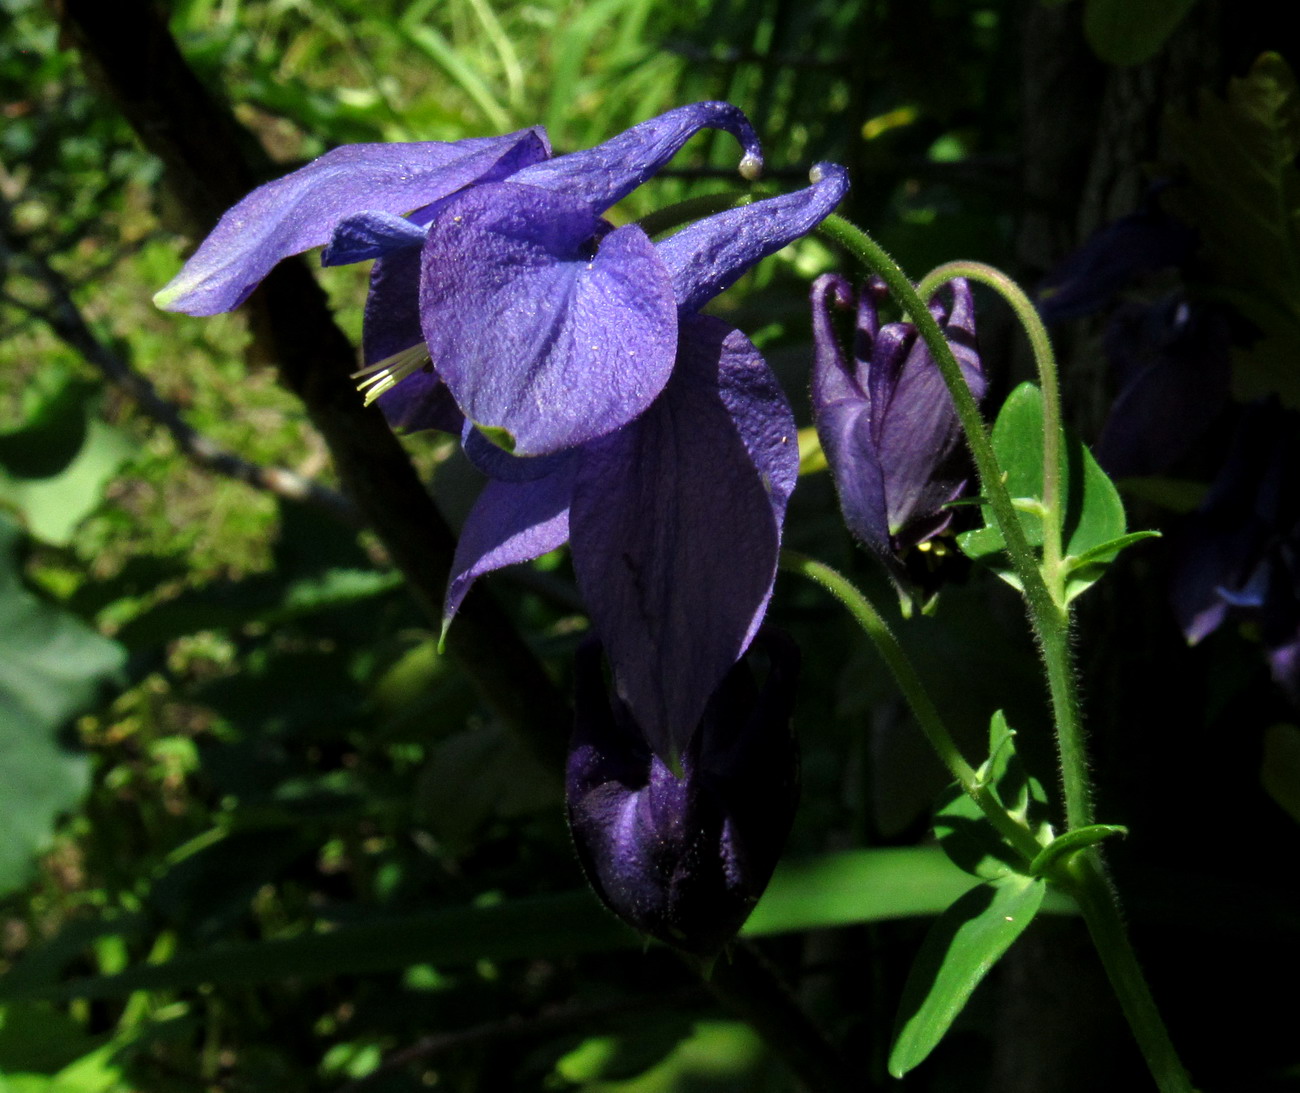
x=384, y=375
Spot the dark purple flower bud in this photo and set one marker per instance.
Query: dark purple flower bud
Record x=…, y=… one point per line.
x=886, y=421
x=684, y=858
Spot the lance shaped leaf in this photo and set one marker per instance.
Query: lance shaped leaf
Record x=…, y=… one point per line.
x=962, y=945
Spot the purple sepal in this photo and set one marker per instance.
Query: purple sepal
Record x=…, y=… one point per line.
x=709, y=256
x=685, y=859
x=511, y=522
x=533, y=332
x=604, y=175
x=300, y=211
x=886, y=422
x=370, y=235
x=676, y=528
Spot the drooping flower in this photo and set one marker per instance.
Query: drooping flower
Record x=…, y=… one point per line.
x=886, y=421
x=684, y=859
x=547, y=326
x=674, y=519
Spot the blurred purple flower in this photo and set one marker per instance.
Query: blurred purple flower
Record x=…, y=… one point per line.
x=1173, y=362
x=1169, y=357
x=1238, y=555
x=548, y=326
x=684, y=859
x=1114, y=257
x=886, y=421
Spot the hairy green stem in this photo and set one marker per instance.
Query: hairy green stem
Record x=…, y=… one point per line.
x=1048, y=614
x=1083, y=875
x=914, y=692
x=1096, y=900
x=1045, y=359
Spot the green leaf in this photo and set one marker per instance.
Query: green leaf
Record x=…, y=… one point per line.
x=52, y=667
x=1242, y=193
x=1071, y=842
x=1280, y=767
x=856, y=886
x=1093, y=522
x=54, y=467
x=964, y=832
x=962, y=945
x=830, y=890
x=1128, y=32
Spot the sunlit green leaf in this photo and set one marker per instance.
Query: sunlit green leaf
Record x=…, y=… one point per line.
x=962, y=945
x=54, y=468
x=1071, y=842
x=964, y=831
x=52, y=667
x=1093, y=521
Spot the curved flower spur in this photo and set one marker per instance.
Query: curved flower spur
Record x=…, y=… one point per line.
x=547, y=327
x=685, y=858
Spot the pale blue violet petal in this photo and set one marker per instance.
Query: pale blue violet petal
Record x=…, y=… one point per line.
x=604, y=175
x=710, y=255
x=676, y=526
x=534, y=333
x=300, y=211
x=511, y=522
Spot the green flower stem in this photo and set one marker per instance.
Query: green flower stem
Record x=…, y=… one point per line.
x=1045, y=359
x=923, y=709
x=1096, y=900
x=1083, y=875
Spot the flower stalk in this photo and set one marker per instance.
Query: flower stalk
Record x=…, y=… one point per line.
x=1043, y=584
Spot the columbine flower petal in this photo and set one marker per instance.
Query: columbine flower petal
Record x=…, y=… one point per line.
x=533, y=333
x=685, y=859
x=604, y=175
x=711, y=255
x=300, y=211
x=676, y=528
x=511, y=522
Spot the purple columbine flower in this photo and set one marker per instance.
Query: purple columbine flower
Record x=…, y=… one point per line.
x=548, y=326
x=674, y=519
x=684, y=859
x=886, y=421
